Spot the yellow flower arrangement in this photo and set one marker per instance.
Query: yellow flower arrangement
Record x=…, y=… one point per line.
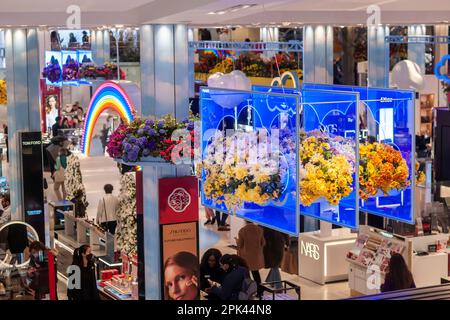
x=326, y=169
x=236, y=181
x=3, y=92
x=381, y=168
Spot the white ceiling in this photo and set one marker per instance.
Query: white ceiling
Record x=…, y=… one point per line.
x=195, y=12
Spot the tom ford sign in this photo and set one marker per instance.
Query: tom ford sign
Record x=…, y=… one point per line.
x=309, y=249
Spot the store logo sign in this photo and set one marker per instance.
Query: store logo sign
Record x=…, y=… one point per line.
x=310, y=250
x=74, y=20
x=179, y=200
x=373, y=277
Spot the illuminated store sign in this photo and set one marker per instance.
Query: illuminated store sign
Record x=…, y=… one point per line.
x=309, y=249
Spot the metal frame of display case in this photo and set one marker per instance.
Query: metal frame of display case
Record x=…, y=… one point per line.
x=413, y=141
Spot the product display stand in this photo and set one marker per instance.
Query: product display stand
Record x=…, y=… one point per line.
x=147, y=196
x=322, y=258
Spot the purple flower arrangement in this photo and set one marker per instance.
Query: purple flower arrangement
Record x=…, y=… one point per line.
x=70, y=70
x=150, y=138
x=52, y=71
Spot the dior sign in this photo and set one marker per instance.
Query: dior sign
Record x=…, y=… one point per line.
x=310, y=250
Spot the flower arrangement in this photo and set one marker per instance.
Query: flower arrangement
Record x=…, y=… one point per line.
x=326, y=168
x=3, y=92
x=70, y=70
x=109, y=71
x=382, y=168
x=126, y=233
x=152, y=138
x=52, y=71
x=232, y=178
x=87, y=71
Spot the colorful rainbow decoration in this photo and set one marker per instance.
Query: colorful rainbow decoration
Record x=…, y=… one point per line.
x=109, y=95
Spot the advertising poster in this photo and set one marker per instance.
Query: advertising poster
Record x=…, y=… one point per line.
x=50, y=105
x=53, y=68
x=178, y=217
x=180, y=261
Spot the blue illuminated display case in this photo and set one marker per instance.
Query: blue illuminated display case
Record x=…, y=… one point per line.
x=249, y=153
x=386, y=121
x=70, y=67
x=53, y=65
x=84, y=57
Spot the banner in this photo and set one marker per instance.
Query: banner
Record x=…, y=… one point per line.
x=178, y=200
x=178, y=217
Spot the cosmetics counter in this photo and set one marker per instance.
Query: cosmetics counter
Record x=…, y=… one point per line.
x=426, y=257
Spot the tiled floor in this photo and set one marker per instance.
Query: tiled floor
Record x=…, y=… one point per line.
x=100, y=170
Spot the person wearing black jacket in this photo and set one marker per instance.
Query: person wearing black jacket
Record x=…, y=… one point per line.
x=210, y=268
x=233, y=281
x=82, y=257
x=275, y=243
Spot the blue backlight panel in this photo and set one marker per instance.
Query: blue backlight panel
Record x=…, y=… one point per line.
x=387, y=117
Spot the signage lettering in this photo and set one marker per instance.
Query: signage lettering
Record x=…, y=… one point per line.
x=311, y=250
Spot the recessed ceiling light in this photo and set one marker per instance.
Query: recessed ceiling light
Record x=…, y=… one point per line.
x=211, y=12
x=232, y=9
x=119, y=25
x=221, y=12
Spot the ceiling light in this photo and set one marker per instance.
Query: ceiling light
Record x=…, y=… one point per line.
x=286, y=24
x=119, y=25
x=232, y=9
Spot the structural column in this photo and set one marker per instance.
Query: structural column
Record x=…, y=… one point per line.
x=441, y=51
x=164, y=90
x=100, y=46
x=416, y=51
x=22, y=56
x=165, y=70
x=318, y=54
x=378, y=56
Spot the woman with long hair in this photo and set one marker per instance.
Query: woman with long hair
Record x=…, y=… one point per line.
x=398, y=277
x=181, y=273
x=82, y=258
x=210, y=268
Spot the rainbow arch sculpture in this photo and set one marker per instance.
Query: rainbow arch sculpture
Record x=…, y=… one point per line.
x=109, y=95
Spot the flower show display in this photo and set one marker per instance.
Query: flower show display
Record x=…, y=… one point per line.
x=85, y=66
x=387, y=166
x=167, y=139
x=53, y=71
x=70, y=67
x=249, y=155
x=126, y=232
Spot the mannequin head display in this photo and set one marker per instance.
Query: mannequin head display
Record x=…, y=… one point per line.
x=181, y=277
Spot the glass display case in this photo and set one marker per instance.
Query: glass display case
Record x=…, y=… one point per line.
x=387, y=152
x=249, y=153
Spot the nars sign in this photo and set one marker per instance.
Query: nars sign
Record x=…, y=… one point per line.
x=309, y=249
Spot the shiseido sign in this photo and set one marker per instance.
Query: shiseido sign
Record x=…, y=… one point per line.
x=310, y=250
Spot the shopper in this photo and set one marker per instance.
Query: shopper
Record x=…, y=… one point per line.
x=250, y=245
x=181, y=273
x=210, y=216
x=210, y=268
x=273, y=254
x=107, y=210
x=104, y=137
x=38, y=271
x=233, y=281
x=221, y=221
x=82, y=258
x=398, y=277
x=59, y=175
